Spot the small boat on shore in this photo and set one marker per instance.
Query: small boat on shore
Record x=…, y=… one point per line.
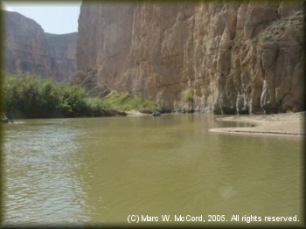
x=155, y=114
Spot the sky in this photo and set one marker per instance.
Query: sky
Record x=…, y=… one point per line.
x=57, y=17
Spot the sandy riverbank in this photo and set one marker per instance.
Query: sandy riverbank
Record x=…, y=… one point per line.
x=135, y=113
x=280, y=124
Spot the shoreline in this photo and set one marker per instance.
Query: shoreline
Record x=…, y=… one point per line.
x=288, y=124
x=135, y=113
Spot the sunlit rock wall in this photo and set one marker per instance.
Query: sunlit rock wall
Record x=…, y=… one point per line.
x=231, y=57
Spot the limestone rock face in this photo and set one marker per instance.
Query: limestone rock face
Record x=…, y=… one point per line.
x=242, y=57
x=29, y=49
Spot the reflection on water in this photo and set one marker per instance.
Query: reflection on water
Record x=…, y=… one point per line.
x=100, y=170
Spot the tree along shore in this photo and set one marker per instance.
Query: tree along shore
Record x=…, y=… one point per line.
x=30, y=96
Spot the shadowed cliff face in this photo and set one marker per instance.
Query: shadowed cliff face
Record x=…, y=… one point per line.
x=29, y=49
x=62, y=50
x=228, y=58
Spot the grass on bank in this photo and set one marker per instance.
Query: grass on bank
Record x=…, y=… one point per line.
x=30, y=96
x=127, y=102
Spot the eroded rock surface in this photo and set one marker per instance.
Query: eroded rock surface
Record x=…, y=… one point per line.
x=245, y=57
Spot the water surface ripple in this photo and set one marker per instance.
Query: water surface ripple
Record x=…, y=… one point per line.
x=100, y=170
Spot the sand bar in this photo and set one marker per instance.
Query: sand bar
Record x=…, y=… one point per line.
x=135, y=113
x=280, y=124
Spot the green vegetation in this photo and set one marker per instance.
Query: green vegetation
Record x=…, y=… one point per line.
x=188, y=96
x=28, y=96
x=128, y=102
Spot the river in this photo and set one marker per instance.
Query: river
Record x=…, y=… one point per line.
x=113, y=170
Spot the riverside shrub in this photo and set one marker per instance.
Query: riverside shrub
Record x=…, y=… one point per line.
x=29, y=96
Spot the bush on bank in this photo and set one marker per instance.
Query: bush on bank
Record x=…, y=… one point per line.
x=28, y=96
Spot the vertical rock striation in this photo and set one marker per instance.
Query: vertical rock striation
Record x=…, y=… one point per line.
x=243, y=57
x=29, y=49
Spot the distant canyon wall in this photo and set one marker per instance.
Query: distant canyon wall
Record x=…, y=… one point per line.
x=245, y=57
x=29, y=49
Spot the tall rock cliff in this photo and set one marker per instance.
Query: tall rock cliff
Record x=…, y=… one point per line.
x=204, y=56
x=29, y=49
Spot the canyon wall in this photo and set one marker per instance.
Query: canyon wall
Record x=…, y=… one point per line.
x=29, y=49
x=62, y=51
x=245, y=57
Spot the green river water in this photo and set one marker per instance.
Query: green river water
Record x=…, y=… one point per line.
x=112, y=171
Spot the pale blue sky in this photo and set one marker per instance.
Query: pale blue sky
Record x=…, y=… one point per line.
x=54, y=17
